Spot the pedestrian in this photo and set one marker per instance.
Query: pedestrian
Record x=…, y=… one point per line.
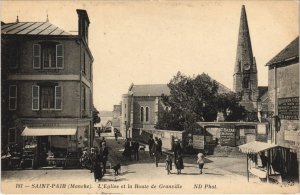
x=200, y=161
x=105, y=156
x=168, y=164
x=160, y=145
x=97, y=167
x=179, y=164
x=156, y=152
x=127, y=152
x=150, y=144
x=93, y=159
x=136, y=147
x=177, y=149
x=116, y=135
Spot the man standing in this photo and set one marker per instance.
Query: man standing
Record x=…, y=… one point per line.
x=150, y=144
x=160, y=145
x=177, y=149
x=105, y=156
x=156, y=152
x=136, y=146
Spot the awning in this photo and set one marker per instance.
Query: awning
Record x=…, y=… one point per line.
x=255, y=147
x=48, y=131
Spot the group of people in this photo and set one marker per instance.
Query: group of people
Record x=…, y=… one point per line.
x=98, y=158
x=155, y=150
x=131, y=149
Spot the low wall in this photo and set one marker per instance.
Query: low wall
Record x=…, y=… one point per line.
x=143, y=135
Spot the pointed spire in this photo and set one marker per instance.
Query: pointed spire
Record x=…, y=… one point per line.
x=17, y=19
x=244, y=55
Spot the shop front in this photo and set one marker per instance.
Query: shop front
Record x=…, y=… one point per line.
x=50, y=146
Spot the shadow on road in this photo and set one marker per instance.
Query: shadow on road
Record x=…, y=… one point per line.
x=214, y=174
x=126, y=172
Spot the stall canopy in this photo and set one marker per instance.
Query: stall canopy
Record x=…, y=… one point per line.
x=255, y=147
x=48, y=131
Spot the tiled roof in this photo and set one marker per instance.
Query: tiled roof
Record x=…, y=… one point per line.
x=262, y=90
x=150, y=90
x=289, y=52
x=31, y=28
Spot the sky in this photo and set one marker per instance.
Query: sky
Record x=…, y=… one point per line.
x=148, y=42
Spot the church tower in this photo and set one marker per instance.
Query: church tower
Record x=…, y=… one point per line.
x=245, y=71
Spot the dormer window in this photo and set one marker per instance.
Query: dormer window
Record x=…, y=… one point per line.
x=48, y=55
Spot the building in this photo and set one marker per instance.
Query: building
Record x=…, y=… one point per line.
x=245, y=82
x=47, y=88
x=142, y=105
x=116, y=120
x=283, y=79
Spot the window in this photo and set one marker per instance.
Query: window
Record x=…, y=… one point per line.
x=49, y=95
x=12, y=97
x=49, y=54
x=125, y=105
x=13, y=55
x=83, y=68
x=12, y=135
x=147, y=114
x=142, y=114
x=83, y=104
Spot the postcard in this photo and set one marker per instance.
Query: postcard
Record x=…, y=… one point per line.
x=149, y=97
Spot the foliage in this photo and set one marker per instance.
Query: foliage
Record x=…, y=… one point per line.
x=96, y=118
x=194, y=99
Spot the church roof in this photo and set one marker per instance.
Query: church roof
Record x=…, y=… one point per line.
x=31, y=28
x=222, y=88
x=150, y=90
x=288, y=53
x=262, y=90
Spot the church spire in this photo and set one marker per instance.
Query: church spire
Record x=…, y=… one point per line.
x=244, y=55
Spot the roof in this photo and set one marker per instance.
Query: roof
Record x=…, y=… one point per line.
x=256, y=146
x=288, y=53
x=262, y=90
x=31, y=28
x=150, y=90
x=42, y=131
x=222, y=88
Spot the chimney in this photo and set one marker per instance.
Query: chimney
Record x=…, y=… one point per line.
x=83, y=24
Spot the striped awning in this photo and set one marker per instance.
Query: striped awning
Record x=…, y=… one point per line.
x=48, y=131
x=256, y=147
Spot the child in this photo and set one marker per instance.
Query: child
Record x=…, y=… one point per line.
x=200, y=161
x=168, y=164
x=179, y=164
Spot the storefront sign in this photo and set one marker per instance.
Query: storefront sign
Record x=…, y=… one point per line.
x=288, y=108
x=198, y=141
x=227, y=135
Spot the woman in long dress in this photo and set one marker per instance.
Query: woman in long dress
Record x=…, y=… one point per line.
x=97, y=167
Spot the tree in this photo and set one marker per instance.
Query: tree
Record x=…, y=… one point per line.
x=194, y=99
x=96, y=118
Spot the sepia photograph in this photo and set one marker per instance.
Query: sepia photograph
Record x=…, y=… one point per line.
x=150, y=97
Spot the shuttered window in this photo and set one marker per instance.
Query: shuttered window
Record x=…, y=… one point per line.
x=12, y=97
x=59, y=56
x=36, y=56
x=35, y=97
x=58, y=98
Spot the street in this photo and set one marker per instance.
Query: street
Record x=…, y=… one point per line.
x=221, y=174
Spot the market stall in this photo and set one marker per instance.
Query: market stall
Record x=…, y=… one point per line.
x=264, y=160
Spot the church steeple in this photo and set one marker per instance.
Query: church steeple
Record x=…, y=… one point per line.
x=245, y=70
x=244, y=55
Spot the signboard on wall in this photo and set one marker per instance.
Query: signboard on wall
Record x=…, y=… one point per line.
x=198, y=141
x=288, y=108
x=227, y=135
x=262, y=129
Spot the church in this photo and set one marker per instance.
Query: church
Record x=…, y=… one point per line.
x=245, y=83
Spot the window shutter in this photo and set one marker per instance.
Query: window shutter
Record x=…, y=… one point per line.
x=58, y=97
x=12, y=97
x=36, y=56
x=35, y=97
x=59, y=56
